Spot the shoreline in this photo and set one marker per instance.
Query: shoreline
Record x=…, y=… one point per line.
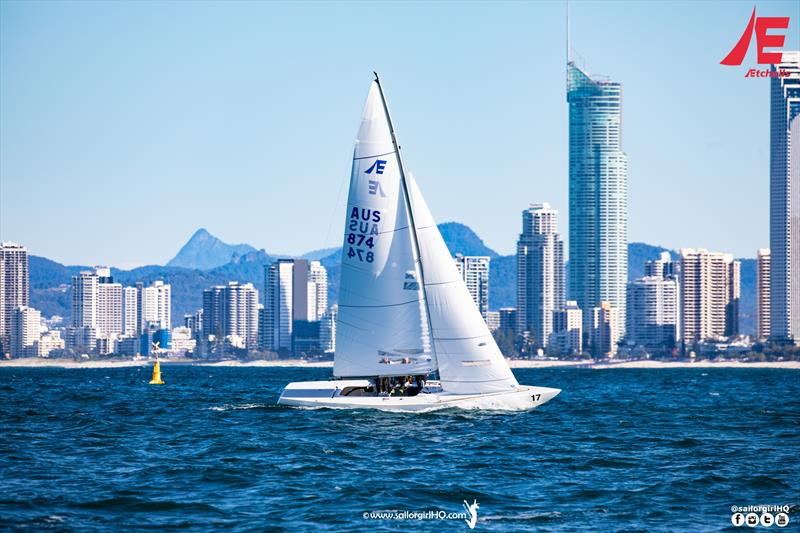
x=38, y=362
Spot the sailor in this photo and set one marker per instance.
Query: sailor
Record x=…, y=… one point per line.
x=412, y=388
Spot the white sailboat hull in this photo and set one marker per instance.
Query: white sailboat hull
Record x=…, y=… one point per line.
x=332, y=394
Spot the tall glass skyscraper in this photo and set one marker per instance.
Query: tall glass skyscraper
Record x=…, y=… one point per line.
x=784, y=201
x=598, y=193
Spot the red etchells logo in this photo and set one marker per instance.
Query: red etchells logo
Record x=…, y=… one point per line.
x=763, y=40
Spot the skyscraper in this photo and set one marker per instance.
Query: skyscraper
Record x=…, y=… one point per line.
x=598, y=193
x=762, y=293
x=14, y=288
x=784, y=208
x=567, y=336
x=213, y=312
x=317, y=290
x=241, y=313
x=278, y=300
x=98, y=303
x=109, y=304
x=709, y=296
x=231, y=311
x=540, y=272
x=295, y=293
x=327, y=329
x=653, y=312
x=130, y=316
x=474, y=270
x=604, y=334
x=156, y=305
x=84, y=299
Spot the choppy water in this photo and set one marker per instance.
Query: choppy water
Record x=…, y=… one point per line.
x=618, y=450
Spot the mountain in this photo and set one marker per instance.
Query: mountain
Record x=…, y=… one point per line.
x=203, y=251
x=461, y=239
x=316, y=255
x=51, y=290
x=639, y=252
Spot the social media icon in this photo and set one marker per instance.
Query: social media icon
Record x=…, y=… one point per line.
x=752, y=519
x=767, y=519
x=781, y=519
x=737, y=519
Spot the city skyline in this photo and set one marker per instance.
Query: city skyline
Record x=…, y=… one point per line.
x=155, y=136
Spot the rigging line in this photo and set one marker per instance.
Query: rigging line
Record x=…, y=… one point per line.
x=335, y=209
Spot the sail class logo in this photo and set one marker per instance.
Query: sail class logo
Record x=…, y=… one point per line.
x=377, y=166
x=374, y=186
x=760, y=26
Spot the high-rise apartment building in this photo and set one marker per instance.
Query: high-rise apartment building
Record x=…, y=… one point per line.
x=26, y=326
x=567, y=335
x=762, y=293
x=130, y=313
x=327, y=330
x=709, y=294
x=598, y=193
x=663, y=267
x=474, y=270
x=734, y=298
x=213, y=312
x=653, y=312
x=14, y=288
x=317, y=290
x=84, y=299
x=109, y=304
x=97, y=302
x=295, y=293
x=156, y=303
x=241, y=313
x=784, y=203
x=507, y=319
x=279, y=304
x=540, y=272
x=604, y=335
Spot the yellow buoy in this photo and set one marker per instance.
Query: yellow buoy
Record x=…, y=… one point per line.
x=156, y=367
x=156, y=374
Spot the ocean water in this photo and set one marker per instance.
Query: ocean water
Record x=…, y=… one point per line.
x=618, y=450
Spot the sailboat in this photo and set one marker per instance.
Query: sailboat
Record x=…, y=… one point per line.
x=409, y=336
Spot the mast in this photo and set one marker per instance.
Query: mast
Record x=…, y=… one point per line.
x=410, y=218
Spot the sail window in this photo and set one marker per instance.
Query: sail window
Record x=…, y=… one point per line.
x=479, y=362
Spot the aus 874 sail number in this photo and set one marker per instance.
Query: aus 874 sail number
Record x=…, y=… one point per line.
x=363, y=228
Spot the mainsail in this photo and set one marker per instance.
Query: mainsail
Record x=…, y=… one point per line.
x=382, y=328
x=403, y=308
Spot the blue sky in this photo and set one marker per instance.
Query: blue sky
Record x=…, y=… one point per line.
x=126, y=126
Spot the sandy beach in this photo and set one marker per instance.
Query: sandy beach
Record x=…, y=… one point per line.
x=39, y=362
x=794, y=365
